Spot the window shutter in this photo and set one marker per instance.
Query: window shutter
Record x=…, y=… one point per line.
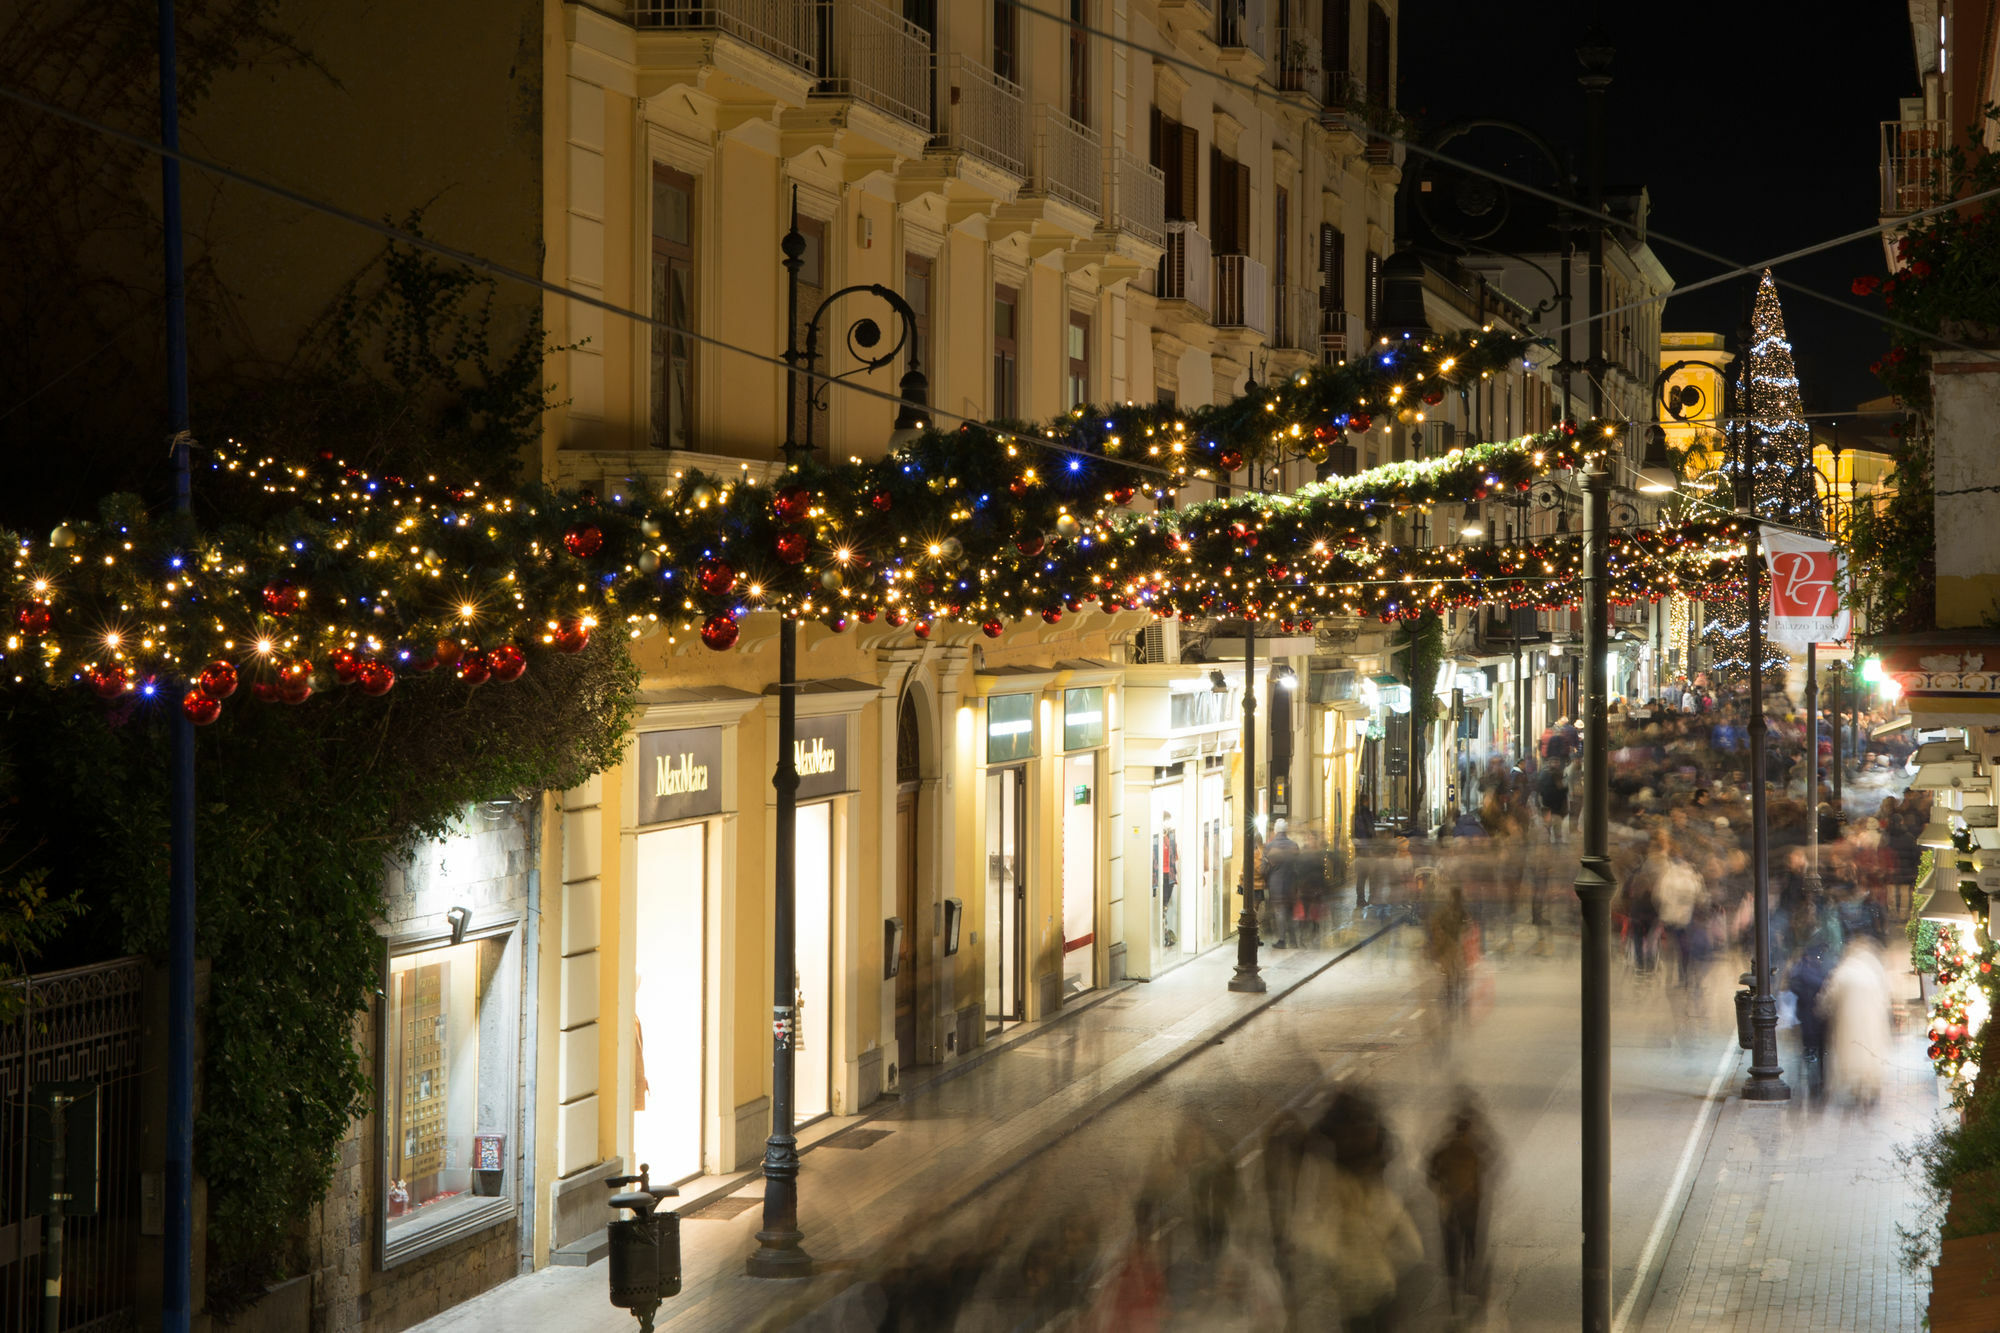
x=1158, y=139
x=1241, y=201
x=1190, y=151
x=1220, y=180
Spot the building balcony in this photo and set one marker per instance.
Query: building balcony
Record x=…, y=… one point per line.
x=1295, y=323
x=1344, y=108
x=1239, y=33
x=873, y=56
x=1135, y=197
x=1298, y=62
x=1068, y=162
x=986, y=116
x=1913, y=165
x=780, y=28
x=1242, y=294
x=1186, y=272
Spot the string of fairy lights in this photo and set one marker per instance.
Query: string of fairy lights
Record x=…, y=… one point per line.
x=333, y=576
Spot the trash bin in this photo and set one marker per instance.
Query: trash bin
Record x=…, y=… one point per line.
x=1743, y=1001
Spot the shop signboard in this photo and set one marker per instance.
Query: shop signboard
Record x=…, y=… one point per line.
x=819, y=752
x=1083, y=718
x=680, y=774
x=1010, y=728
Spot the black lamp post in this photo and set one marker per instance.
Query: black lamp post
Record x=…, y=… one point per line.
x=779, y=1252
x=1249, y=977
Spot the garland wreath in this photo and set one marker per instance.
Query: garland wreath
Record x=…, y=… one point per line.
x=358, y=579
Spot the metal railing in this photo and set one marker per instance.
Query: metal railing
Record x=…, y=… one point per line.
x=1343, y=100
x=1297, y=323
x=986, y=117
x=1186, y=270
x=1242, y=294
x=783, y=28
x=83, y=1025
x=875, y=56
x=1069, y=161
x=1135, y=196
x=1913, y=163
x=1236, y=30
x=1298, y=62
x=1332, y=347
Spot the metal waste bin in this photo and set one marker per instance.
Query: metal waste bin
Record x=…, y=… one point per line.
x=1743, y=1001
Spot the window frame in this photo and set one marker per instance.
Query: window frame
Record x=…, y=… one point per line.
x=1076, y=372
x=660, y=353
x=422, y=1236
x=1006, y=406
x=1079, y=62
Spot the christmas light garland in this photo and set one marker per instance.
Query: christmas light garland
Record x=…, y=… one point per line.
x=364, y=580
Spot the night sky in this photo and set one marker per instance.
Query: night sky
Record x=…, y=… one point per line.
x=1755, y=127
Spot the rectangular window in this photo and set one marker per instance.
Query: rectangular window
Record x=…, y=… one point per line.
x=1381, y=80
x=1332, y=272
x=448, y=1079
x=812, y=289
x=1006, y=354
x=1176, y=152
x=1333, y=54
x=1079, y=62
x=1229, y=204
x=673, y=350
x=1373, y=295
x=1005, y=41
x=917, y=291
x=1079, y=358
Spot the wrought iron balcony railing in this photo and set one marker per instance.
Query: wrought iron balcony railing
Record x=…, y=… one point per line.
x=783, y=28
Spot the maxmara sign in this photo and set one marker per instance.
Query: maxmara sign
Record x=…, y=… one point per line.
x=680, y=774
x=819, y=751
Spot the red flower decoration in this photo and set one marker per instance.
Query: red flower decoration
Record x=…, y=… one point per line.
x=1867, y=285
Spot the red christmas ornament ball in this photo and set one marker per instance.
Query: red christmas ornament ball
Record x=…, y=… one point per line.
x=1231, y=459
x=474, y=669
x=1030, y=545
x=922, y=629
x=376, y=678
x=282, y=598
x=881, y=502
x=572, y=636
x=716, y=577
x=199, y=708
x=838, y=624
x=295, y=682
x=448, y=652
x=1433, y=396
x=1359, y=422
x=1123, y=494
x=109, y=681
x=791, y=504
x=346, y=665
x=992, y=629
x=507, y=662
x=1052, y=615
x=1018, y=486
x=264, y=692
x=218, y=680
x=34, y=618
x=584, y=540
x=791, y=547
x=898, y=617
x=719, y=633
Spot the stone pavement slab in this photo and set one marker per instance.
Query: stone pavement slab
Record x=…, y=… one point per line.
x=1791, y=1222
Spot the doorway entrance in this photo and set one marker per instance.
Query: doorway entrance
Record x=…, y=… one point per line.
x=1079, y=873
x=669, y=995
x=1006, y=895
x=813, y=947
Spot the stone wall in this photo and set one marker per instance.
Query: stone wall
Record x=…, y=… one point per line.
x=484, y=866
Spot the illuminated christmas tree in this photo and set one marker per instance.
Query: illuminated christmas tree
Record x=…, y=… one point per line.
x=1782, y=481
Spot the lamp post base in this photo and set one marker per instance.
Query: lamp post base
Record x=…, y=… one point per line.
x=1248, y=981
x=1767, y=1076
x=778, y=1255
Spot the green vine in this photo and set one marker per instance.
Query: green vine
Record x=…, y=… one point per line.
x=1426, y=655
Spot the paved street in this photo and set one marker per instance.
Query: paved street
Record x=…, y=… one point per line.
x=1724, y=1215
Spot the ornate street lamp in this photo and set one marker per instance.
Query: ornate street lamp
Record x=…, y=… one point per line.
x=779, y=1252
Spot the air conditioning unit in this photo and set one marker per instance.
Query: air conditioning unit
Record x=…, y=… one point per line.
x=1158, y=644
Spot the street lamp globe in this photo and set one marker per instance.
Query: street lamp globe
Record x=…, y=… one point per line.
x=1656, y=473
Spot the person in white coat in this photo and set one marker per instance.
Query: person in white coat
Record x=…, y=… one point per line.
x=1855, y=1001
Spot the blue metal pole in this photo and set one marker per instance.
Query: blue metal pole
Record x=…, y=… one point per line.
x=177, y=1276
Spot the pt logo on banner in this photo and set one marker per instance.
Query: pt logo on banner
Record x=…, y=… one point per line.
x=1807, y=579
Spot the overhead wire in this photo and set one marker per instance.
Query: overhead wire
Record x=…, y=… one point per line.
x=1600, y=215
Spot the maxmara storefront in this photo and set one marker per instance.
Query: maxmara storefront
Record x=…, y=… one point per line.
x=975, y=849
